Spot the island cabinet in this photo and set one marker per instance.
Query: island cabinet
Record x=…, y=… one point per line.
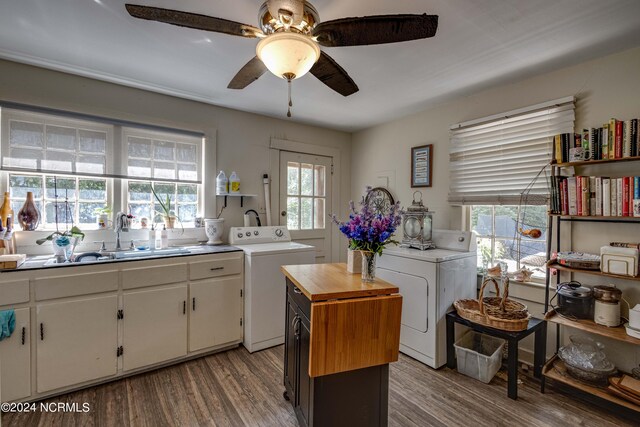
x=341, y=335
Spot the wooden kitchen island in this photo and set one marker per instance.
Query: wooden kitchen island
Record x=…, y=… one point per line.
x=341, y=335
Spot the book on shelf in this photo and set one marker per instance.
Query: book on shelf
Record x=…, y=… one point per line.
x=634, y=138
x=595, y=196
x=626, y=138
x=603, y=136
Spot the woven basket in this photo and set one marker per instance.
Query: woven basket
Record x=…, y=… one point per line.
x=495, y=312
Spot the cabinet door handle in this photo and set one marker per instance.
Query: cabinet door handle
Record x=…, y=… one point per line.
x=24, y=332
x=194, y=303
x=217, y=268
x=41, y=332
x=184, y=307
x=296, y=290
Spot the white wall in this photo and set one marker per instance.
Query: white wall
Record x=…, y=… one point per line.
x=235, y=140
x=604, y=88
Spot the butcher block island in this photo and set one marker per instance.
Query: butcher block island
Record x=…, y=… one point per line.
x=341, y=335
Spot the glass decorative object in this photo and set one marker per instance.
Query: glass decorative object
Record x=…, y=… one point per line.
x=368, y=266
x=28, y=215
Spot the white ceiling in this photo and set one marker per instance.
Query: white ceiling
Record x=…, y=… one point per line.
x=479, y=43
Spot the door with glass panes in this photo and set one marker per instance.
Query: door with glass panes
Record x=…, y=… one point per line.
x=305, y=200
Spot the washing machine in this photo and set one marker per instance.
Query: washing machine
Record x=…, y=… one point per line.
x=430, y=281
x=265, y=250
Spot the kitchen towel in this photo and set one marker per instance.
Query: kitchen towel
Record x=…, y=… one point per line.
x=7, y=323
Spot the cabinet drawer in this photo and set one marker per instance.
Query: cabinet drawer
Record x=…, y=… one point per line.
x=299, y=298
x=150, y=276
x=77, y=284
x=14, y=292
x=214, y=268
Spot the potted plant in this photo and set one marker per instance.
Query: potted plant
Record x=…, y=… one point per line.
x=168, y=215
x=369, y=233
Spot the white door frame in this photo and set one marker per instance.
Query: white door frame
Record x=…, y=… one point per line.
x=276, y=145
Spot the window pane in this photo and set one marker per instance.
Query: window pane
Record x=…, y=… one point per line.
x=506, y=217
x=90, y=164
x=87, y=213
x=92, y=189
x=92, y=141
x=58, y=161
x=187, y=193
x=164, y=150
x=319, y=214
x=319, y=180
x=186, y=153
x=65, y=213
x=66, y=188
x=164, y=170
x=534, y=217
x=507, y=251
x=61, y=138
x=19, y=185
x=139, y=147
x=139, y=168
x=25, y=134
x=140, y=191
x=140, y=210
x=22, y=158
x=485, y=258
x=306, y=179
x=292, y=178
x=187, y=212
x=293, y=217
x=481, y=220
x=306, y=213
x=187, y=172
x=165, y=189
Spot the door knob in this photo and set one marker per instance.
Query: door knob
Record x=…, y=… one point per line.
x=283, y=213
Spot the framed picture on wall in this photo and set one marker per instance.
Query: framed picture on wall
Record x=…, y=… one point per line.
x=421, y=165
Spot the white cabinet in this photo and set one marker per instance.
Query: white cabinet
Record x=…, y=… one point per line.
x=76, y=341
x=215, y=312
x=15, y=360
x=155, y=326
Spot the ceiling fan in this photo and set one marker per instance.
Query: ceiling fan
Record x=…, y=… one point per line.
x=291, y=34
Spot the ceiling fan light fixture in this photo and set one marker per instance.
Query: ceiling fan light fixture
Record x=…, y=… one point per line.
x=286, y=54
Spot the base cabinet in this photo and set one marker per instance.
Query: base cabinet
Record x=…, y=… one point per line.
x=350, y=399
x=76, y=341
x=215, y=312
x=15, y=360
x=155, y=326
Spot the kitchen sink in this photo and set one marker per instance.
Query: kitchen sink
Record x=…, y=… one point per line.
x=95, y=257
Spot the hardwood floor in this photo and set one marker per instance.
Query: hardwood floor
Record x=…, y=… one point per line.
x=235, y=388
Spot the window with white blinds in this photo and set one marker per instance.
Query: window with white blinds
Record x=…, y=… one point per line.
x=492, y=160
x=48, y=144
x=161, y=156
x=59, y=143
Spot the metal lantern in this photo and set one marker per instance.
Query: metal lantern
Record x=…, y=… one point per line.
x=417, y=224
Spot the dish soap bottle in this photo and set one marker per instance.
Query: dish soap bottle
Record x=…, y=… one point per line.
x=222, y=183
x=164, y=237
x=151, y=238
x=234, y=183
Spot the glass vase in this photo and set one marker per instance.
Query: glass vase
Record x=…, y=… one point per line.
x=28, y=216
x=368, y=266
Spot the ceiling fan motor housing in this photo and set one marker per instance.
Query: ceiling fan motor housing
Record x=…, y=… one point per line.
x=287, y=15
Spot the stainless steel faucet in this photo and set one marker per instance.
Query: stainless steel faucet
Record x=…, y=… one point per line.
x=120, y=224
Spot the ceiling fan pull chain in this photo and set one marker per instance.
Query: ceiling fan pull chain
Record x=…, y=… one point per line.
x=290, y=102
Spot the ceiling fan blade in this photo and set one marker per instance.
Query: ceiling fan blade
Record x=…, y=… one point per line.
x=192, y=20
x=378, y=29
x=248, y=74
x=333, y=75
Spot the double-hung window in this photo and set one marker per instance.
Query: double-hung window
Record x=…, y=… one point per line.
x=498, y=168
x=72, y=164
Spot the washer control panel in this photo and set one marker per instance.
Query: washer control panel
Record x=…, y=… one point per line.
x=253, y=235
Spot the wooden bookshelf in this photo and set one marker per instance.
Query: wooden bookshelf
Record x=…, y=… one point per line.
x=554, y=264
x=594, y=162
x=556, y=370
x=617, y=333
